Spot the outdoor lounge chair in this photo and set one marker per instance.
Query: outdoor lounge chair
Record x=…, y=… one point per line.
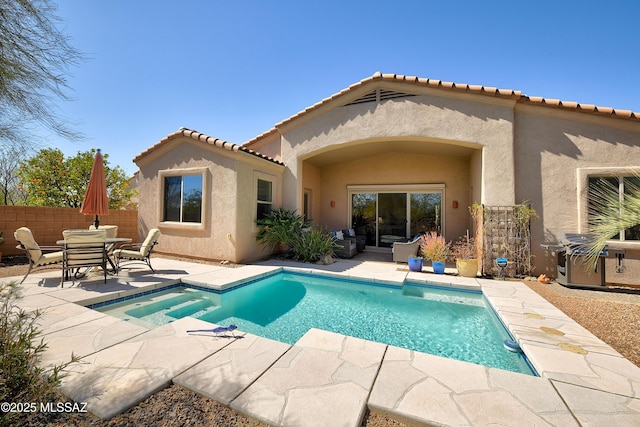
x=84, y=249
x=138, y=252
x=343, y=248
x=36, y=253
x=402, y=251
x=350, y=234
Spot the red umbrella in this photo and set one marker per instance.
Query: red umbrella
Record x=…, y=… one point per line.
x=95, y=200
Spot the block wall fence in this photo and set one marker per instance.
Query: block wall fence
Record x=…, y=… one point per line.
x=47, y=224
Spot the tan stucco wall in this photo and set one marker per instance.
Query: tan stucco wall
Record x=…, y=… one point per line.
x=184, y=156
x=249, y=170
x=395, y=168
x=312, y=180
x=470, y=121
x=228, y=224
x=551, y=147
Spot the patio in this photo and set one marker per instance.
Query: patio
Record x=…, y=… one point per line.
x=326, y=378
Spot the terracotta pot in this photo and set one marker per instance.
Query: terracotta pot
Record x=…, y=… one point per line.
x=467, y=267
x=283, y=248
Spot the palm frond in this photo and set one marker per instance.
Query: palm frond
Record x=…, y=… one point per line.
x=609, y=214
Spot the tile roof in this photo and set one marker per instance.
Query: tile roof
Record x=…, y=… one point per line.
x=518, y=96
x=207, y=140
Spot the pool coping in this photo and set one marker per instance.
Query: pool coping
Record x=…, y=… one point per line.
x=582, y=380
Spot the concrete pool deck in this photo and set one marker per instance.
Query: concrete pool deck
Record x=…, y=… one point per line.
x=327, y=378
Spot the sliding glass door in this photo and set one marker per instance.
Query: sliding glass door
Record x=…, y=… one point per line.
x=392, y=218
x=388, y=214
x=364, y=210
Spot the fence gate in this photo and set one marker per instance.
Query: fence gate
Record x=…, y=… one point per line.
x=506, y=233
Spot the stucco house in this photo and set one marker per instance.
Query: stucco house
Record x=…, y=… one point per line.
x=400, y=154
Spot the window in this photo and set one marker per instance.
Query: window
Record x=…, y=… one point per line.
x=265, y=198
x=183, y=199
x=624, y=185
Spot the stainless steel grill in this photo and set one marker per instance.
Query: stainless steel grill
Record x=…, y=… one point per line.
x=572, y=269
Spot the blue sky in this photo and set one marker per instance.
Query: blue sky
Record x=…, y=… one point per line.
x=232, y=69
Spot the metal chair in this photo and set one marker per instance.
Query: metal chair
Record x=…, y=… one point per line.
x=84, y=249
x=37, y=255
x=138, y=252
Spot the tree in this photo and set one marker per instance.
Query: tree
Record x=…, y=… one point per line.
x=10, y=158
x=52, y=180
x=609, y=214
x=34, y=60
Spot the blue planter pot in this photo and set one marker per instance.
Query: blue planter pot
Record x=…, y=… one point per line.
x=438, y=267
x=415, y=263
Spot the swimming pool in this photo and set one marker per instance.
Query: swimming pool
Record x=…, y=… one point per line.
x=457, y=324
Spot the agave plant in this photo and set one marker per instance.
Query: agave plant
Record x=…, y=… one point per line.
x=608, y=214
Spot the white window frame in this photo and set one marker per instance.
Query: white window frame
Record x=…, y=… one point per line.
x=583, y=175
x=274, y=196
x=205, y=198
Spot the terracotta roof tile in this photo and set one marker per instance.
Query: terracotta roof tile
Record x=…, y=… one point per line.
x=216, y=142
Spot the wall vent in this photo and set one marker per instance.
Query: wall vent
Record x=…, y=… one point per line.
x=380, y=95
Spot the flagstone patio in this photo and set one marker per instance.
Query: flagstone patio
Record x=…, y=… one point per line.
x=326, y=378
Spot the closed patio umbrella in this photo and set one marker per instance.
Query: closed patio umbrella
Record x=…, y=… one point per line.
x=95, y=200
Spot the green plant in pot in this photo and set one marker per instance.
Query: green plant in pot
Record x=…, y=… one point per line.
x=279, y=227
x=435, y=248
x=465, y=253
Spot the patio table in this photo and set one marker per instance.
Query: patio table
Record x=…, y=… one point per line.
x=111, y=243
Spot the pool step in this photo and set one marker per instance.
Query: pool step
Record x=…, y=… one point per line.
x=164, y=304
x=202, y=306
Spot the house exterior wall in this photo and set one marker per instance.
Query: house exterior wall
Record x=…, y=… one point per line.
x=449, y=120
x=228, y=228
x=219, y=211
x=312, y=181
x=249, y=170
x=552, y=146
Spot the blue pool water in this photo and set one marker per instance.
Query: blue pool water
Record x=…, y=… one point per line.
x=450, y=323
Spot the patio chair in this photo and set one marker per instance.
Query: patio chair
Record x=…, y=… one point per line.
x=112, y=230
x=84, y=249
x=402, y=251
x=350, y=234
x=138, y=252
x=37, y=255
x=343, y=248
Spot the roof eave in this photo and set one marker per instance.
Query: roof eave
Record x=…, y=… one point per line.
x=216, y=142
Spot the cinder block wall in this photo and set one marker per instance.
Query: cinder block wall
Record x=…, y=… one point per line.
x=47, y=224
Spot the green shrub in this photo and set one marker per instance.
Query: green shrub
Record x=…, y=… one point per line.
x=280, y=226
x=312, y=245
x=22, y=380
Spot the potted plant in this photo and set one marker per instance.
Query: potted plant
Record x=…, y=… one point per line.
x=278, y=229
x=436, y=248
x=415, y=263
x=465, y=254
